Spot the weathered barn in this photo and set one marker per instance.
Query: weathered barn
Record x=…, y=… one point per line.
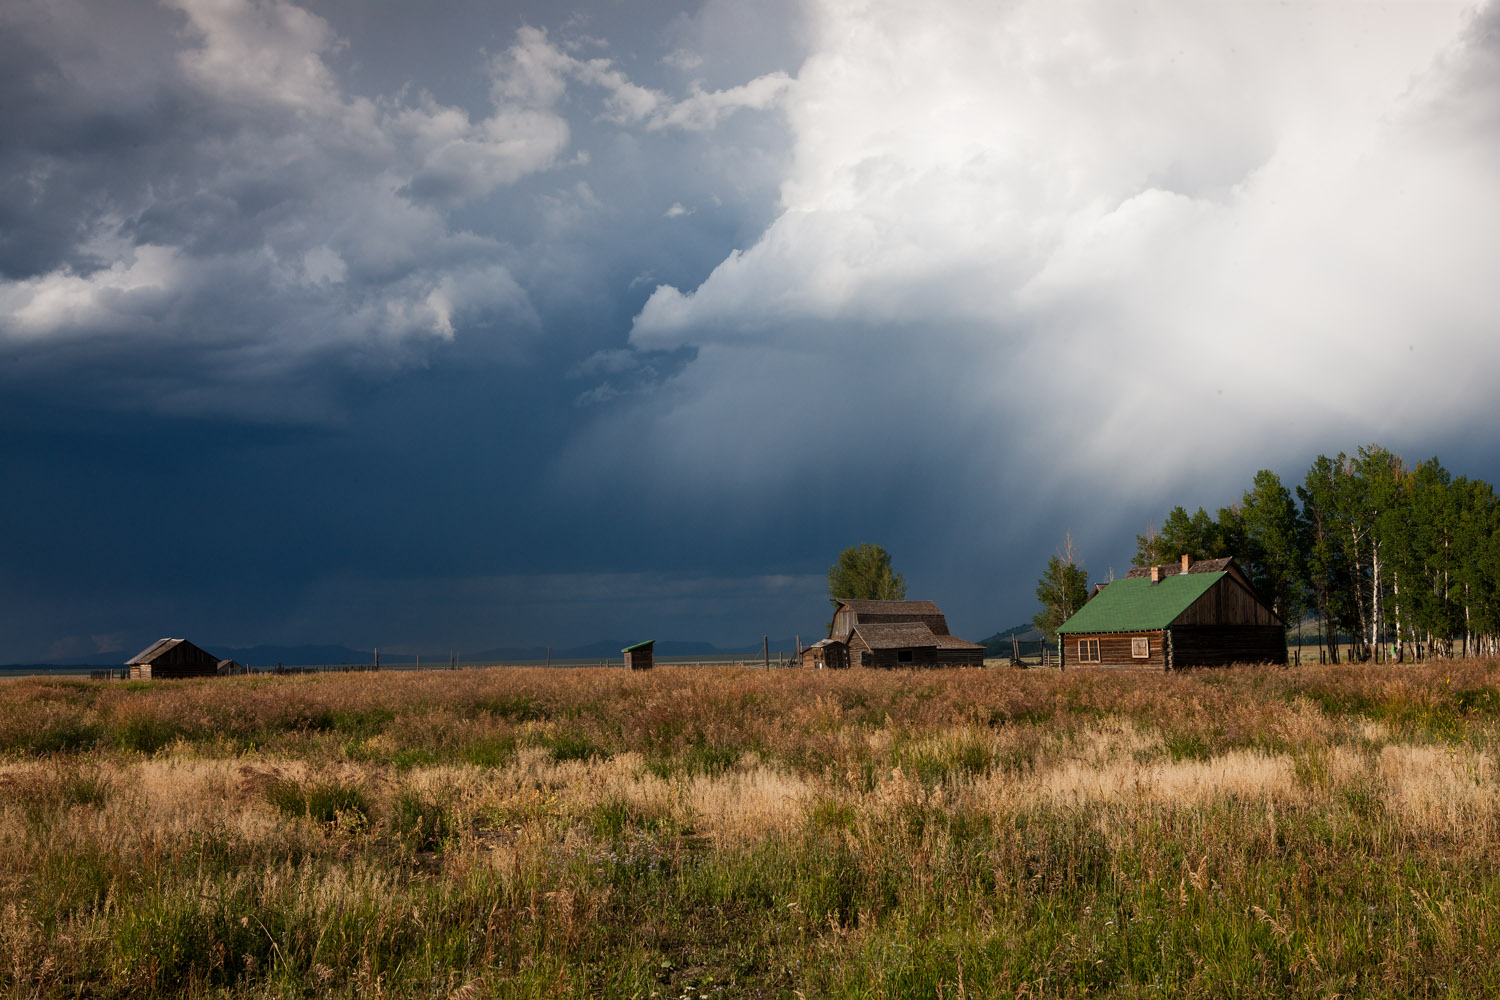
x=826, y=654
x=641, y=656
x=1161, y=617
x=853, y=612
x=229, y=667
x=900, y=633
x=170, y=659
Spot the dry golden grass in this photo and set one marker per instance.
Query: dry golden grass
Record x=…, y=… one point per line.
x=1252, y=831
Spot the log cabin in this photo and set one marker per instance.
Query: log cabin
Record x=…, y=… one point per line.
x=1166, y=617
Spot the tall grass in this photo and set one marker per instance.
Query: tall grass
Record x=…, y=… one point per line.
x=715, y=833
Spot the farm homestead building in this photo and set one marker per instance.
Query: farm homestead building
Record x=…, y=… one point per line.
x=171, y=659
x=899, y=634
x=1200, y=614
x=641, y=656
x=826, y=653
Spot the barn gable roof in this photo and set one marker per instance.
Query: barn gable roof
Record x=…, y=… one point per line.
x=1134, y=603
x=903, y=635
x=864, y=607
x=151, y=652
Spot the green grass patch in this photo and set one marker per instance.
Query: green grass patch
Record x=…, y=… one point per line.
x=323, y=802
x=147, y=735
x=423, y=822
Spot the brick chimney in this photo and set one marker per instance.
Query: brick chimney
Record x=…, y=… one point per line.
x=1187, y=561
x=1155, y=575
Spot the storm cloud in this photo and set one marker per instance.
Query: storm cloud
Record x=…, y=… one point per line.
x=412, y=298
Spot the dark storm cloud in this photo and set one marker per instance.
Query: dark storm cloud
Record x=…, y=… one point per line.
x=223, y=218
x=204, y=184
x=492, y=307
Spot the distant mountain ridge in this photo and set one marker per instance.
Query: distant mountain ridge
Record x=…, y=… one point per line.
x=999, y=643
x=314, y=655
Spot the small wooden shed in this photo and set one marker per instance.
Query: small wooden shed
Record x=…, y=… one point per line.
x=168, y=659
x=830, y=654
x=231, y=667
x=1163, y=617
x=641, y=656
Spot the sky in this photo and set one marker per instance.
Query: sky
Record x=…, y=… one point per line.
x=474, y=324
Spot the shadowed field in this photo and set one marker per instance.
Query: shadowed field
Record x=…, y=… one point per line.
x=725, y=832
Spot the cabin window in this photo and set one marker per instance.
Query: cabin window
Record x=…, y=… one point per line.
x=1140, y=647
x=903, y=656
x=1088, y=650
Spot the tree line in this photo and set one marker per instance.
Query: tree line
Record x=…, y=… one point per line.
x=1396, y=557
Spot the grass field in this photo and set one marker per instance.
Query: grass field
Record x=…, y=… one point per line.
x=710, y=833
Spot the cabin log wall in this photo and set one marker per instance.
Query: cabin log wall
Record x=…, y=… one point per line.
x=1114, y=650
x=1217, y=646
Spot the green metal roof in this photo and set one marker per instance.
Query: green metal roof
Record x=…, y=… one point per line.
x=1135, y=604
x=639, y=645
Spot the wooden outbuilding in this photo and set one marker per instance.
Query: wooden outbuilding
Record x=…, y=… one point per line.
x=228, y=668
x=853, y=612
x=170, y=659
x=641, y=656
x=900, y=634
x=829, y=654
x=1190, y=614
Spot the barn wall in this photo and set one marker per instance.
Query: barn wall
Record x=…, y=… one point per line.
x=1227, y=603
x=639, y=659
x=960, y=657
x=1218, y=645
x=843, y=624
x=887, y=659
x=182, y=660
x=1114, y=650
x=936, y=624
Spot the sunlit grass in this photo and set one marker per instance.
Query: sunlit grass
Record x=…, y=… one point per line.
x=732, y=832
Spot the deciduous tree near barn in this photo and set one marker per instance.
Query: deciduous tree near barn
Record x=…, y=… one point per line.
x=864, y=572
x=1062, y=590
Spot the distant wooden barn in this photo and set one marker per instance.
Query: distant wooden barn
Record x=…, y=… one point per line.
x=1191, y=614
x=829, y=654
x=641, y=656
x=169, y=659
x=230, y=667
x=900, y=634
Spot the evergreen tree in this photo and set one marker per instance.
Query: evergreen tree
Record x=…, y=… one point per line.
x=1272, y=543
x=1196, y=535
